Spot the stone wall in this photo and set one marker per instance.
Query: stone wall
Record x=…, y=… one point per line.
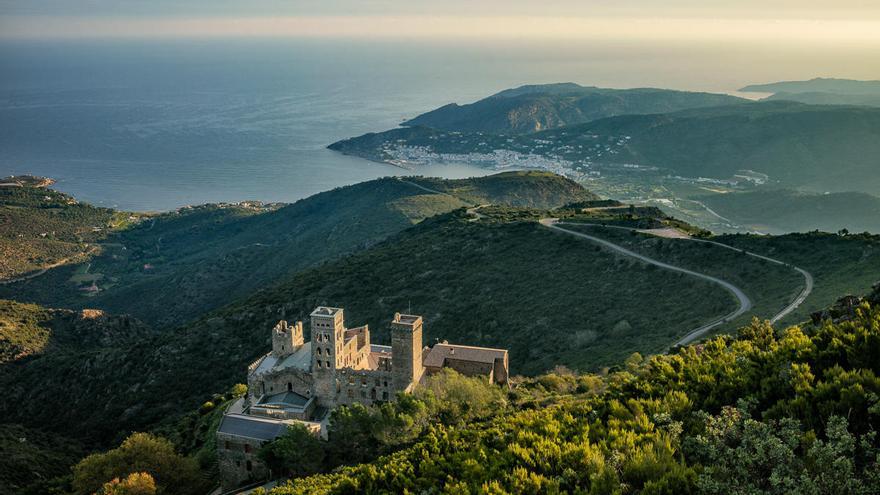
x=238, y=462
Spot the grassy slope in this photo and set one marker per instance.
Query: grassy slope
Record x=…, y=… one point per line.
x=200, y=258
x=40, y=227
x=790, y=211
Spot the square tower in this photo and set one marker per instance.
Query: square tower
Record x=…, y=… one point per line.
x=328, y=337
x=406, y=351
x=286, y=339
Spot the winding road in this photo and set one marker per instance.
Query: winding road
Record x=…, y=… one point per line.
x=745, y=304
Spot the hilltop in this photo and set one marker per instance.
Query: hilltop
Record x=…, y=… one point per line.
x=173, y=267
x=545, y=106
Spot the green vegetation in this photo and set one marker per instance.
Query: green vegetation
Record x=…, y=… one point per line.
x=538, y=107
x=168, y=472
x=793, y=412
x=358, y=434
x=771, y=287
x=781, y=211
x=40, y=227
x=840, y=264
x=32, y=456
x=177, y=266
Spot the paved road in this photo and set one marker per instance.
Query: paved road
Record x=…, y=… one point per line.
x=744, y=302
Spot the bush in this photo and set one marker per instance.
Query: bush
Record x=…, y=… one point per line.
x=139, y=453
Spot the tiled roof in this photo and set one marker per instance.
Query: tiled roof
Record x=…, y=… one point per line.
x=251, y=427
x=440, y=352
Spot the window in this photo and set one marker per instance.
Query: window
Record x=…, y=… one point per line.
x=226, y=445
x=384, y=395
x=377, y=381
x=385, y=383
x=363, y=381
x=249, y=466
x=327, y=363
x=373, y=394
x=319, y=351
x=289, y=387
x=247, y=448
x=350, y=394
x=350, y=380
x=319, y=364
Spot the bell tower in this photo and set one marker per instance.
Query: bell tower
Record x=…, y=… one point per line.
x=328, y=337
x=406, y=352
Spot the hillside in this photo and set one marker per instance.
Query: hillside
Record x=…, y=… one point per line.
x=594, y=308
x=790, y=145
x=822, y=91
x=773, y=411
x=40, y=227
x=780, y=211
x=538, y=107
x=177, y=266
x=32, y=338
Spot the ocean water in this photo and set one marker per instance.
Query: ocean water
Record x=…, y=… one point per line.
x=154, y=125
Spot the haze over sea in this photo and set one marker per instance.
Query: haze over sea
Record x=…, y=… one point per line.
x=154, y=125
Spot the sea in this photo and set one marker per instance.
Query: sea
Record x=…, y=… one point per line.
x=156, y=125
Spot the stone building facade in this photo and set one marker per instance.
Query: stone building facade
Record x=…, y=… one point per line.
x=301, y=382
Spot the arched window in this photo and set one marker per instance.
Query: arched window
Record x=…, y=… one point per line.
x=319, y=364
x=319, y=351
x=289, y=387
x=327, y=363
x=373, y=394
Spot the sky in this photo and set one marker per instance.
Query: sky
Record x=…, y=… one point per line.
x=797, y=21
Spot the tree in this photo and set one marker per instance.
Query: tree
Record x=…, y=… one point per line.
x=134, y=484
x=140, y=453
x=298, y=452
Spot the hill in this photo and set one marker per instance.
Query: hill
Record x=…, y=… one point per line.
x=781, y=211
x=538, y=107
x=773, y=411
x=823, y=148
x=475, y=281
x=791, y=145
x=822, y=91
x=177, y=266
x=40, y=227
x=31, y=339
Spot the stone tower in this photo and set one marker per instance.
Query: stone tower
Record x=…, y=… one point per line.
x=328, y=337
x=286, y=339
x=406, y=351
